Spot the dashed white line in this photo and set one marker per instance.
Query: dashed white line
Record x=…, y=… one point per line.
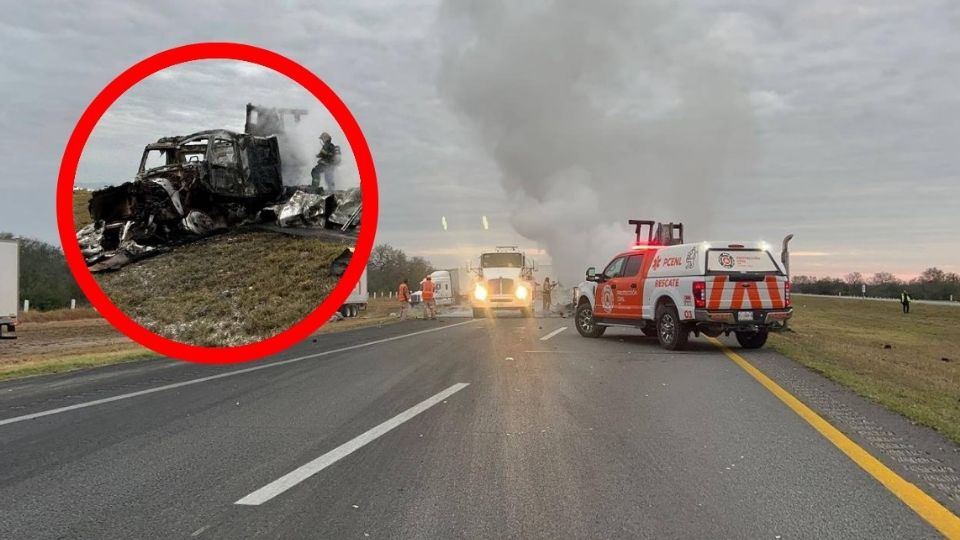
x=181, y=384
x=300, y=474
x=551, y=334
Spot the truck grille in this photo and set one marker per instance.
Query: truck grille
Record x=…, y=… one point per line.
x=500, y=286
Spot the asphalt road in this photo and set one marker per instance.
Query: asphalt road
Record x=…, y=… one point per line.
x=527, y=438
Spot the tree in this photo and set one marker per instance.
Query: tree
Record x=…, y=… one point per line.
x=388, y=265
x=854, y=278
x=45, y=279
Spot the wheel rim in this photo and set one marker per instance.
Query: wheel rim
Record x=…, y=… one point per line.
x=585, y=320
x=667, y=328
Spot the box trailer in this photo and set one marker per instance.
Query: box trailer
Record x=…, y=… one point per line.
x=357, y=301
x=452, y=285
x=9, y=286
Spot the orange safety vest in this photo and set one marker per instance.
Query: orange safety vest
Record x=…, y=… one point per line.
x=427, y=289
x=404, y=294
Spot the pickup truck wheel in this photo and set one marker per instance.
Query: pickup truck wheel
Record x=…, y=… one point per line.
x=671, y=332
x=585, y=323
x=752, y=340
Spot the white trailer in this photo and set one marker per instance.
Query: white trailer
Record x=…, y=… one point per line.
x=452, y=285
x=357, y=301
x=9, y=286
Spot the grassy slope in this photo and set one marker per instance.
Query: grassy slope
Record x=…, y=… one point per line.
x=223, y=290
x=844, y=340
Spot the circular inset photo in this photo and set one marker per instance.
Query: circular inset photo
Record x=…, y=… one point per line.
x=217, y=203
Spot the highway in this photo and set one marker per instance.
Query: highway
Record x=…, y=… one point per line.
x=455, y=428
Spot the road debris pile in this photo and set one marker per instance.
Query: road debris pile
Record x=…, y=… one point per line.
x=192, y=186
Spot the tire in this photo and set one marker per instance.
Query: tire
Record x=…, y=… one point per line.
x=478, y=313
x=671, y=332
x=585, y=323
x=354, y=311
x=345, y=311
x=752, y=340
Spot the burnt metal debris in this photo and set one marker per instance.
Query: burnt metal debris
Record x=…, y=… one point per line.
x=211, y=181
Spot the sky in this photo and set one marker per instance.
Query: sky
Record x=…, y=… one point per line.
x=834, y=121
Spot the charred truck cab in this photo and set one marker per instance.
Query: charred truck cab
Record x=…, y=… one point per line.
x=504, y=281
x=185, y=187
x=669, y=289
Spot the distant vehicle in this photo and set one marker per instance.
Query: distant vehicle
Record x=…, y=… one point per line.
x=452, y=285
x=357, y=301
x=669, y=289
x=504, y=281
x=9, y=287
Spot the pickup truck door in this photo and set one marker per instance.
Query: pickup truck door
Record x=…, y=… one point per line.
x=629, y=288
x=605, y=301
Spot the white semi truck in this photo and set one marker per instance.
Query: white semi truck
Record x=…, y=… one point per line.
x=9, y=286
x=504, y=281
x=452, y=285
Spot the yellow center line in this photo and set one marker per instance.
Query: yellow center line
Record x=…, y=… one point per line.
x=924, y=505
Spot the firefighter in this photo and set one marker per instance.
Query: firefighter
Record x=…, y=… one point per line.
x=403, y=294
x=429, y=303
x=327, y=160
x=905, y=301
x=547, y=287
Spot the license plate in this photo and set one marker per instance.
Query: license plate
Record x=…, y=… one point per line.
x=745, y=316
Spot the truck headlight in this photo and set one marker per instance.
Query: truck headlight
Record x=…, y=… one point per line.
x=521, y=292
x=480, y=292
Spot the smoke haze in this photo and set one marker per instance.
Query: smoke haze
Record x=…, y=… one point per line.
x=596, y=113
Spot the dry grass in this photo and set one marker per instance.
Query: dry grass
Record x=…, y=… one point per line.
x=58, y=315
x=377, y=314
x=81, y=214
x=226, y=290
x=61, y=364
x=846, y=341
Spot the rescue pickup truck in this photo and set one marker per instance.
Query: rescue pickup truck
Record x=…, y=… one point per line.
x=671, y=289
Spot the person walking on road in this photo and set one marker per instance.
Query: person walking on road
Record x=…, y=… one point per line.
x=905, y=301
x=403, y=294
x=427, y=296
x=545, y=294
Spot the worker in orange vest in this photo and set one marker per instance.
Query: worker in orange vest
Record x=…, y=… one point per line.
x=403, y=294
x=429, y=303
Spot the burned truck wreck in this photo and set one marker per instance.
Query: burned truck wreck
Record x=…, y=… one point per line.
x=192, y=186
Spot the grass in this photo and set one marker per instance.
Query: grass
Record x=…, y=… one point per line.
x=377, y=314
x=58, y=315
x=81, y=214
x=847, y=341
x=228, y=289
x=62, y=364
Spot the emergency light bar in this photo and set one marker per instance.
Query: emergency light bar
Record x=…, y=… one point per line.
x=665, y=234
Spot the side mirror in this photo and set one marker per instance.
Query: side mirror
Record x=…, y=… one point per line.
x=591, y=271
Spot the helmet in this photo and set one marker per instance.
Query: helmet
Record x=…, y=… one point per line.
x=325, y=137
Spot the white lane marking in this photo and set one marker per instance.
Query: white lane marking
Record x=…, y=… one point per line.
x=181, y=384
x=551, y=334
x=300, y=474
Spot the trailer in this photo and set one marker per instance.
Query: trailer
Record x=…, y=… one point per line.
x=9, y=286
x=357, y=301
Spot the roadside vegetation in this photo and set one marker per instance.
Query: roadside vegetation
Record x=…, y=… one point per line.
x=931, y=284
x=907, y=363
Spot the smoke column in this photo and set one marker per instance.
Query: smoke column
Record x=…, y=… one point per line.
x=596, y=113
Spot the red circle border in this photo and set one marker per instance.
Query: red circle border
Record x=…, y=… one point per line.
x=216, y=51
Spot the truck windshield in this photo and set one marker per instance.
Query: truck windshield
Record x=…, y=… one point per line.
x=735, y=261
x=501, y=260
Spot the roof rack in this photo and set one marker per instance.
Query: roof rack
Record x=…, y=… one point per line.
x=663, y=234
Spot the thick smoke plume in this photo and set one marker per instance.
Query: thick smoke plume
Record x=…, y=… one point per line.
x=595, y=113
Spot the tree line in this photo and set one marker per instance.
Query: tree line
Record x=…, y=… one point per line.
x=388, y=265
x=931, y=284
x=45, y=279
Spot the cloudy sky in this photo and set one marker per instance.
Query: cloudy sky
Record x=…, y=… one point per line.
x=836, y=121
